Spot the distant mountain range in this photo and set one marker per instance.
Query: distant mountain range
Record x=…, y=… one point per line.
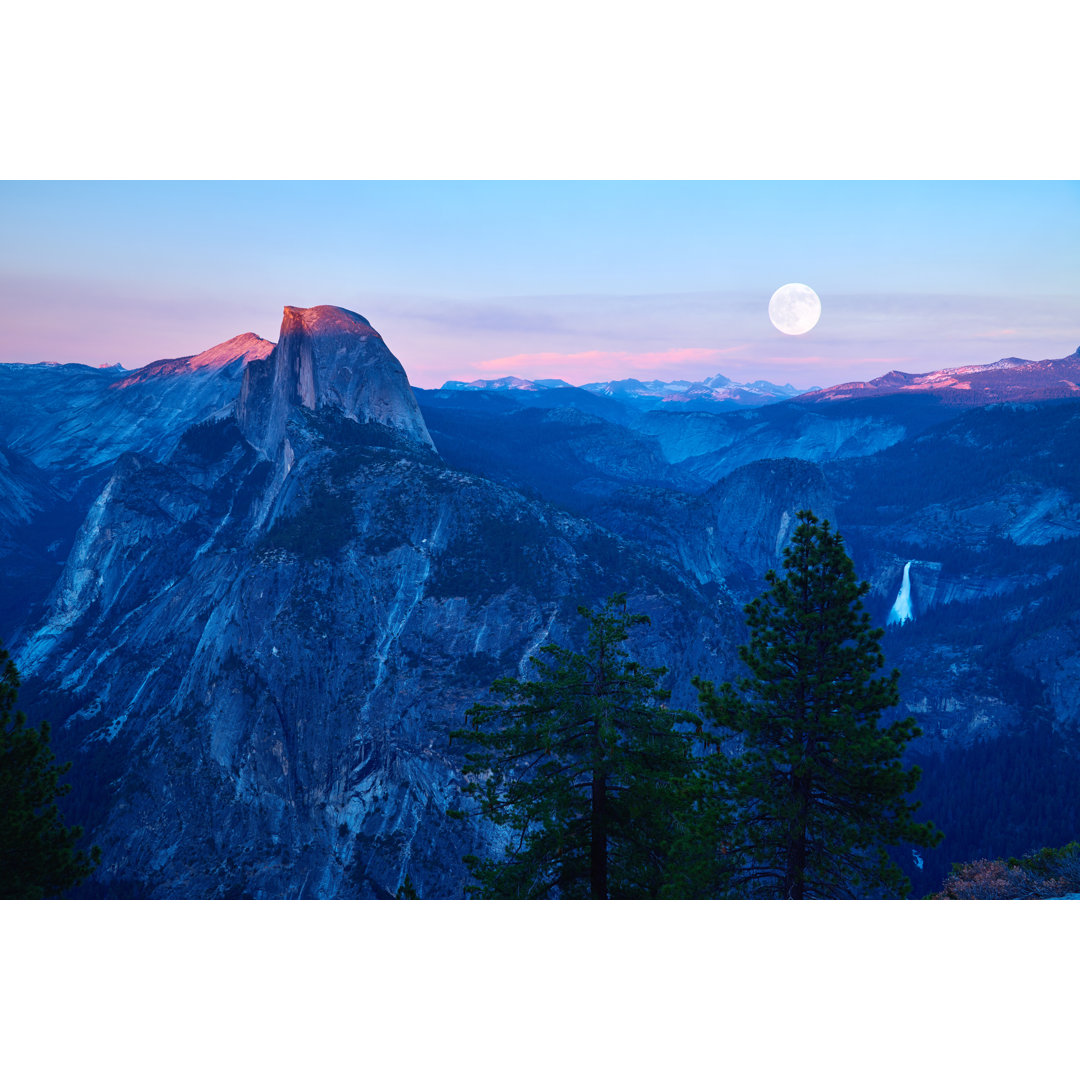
x=716, y=394
x=1011, y=379
x=254, y=589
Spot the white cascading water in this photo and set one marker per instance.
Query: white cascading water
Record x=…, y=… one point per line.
x=901, y=609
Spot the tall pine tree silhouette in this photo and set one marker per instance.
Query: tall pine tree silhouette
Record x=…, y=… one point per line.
x=813, y=792
x=38, y=857
x=584, y=769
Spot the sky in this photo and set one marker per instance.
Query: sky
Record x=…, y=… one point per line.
x=580, y=280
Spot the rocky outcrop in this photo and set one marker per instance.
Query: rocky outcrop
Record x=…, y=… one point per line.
x=729, y=536
x=757, y=507
x=712, y=446
x=327, y=356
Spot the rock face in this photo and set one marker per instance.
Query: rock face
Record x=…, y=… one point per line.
x=74, y=421
x=711, y=446
x=729, y=536
x=63, y=428
x=29, y=548
x=327, y=356
x=258, y=646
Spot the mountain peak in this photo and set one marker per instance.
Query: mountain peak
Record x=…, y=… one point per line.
x=327, y=356
x=507, y=382
x=325, y=319
x=1008, y=379
x=246, y=347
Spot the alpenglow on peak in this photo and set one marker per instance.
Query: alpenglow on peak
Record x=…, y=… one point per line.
x=327, y=356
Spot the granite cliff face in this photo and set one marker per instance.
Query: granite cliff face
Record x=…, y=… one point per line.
x=74, y=420
x=327, y=356
x=732, y=534
x=258, y=646
x=63, y=428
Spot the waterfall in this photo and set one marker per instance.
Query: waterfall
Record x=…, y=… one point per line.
x=901, y=609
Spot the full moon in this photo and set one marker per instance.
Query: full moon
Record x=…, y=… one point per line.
x=794, y=309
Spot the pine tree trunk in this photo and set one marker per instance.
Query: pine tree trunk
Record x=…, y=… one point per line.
x=795, y=869
x=598, y=862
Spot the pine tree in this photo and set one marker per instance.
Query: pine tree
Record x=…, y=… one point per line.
x=407, y=890
x=38, y=858
x=583, y=767
x=815, y=791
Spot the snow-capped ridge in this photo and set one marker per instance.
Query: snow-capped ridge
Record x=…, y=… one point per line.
x=1008, y=379
x=507, y=382
x=716, y=390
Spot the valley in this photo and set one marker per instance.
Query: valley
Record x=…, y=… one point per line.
x=253, y=590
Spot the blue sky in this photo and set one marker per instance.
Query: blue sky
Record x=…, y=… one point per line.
x=574, y=279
